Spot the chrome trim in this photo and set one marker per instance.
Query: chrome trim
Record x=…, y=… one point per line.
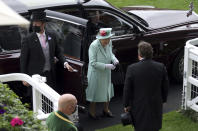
x=64, y=20
x=75, y=62
x=122, y=37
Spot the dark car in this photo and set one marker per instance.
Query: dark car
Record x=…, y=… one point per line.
x=76, y=23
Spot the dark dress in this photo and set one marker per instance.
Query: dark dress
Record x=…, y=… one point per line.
x=145, y=90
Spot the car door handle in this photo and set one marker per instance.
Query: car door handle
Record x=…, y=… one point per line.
x=133, y=37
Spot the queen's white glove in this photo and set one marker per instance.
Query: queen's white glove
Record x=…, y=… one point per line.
x=110, y=66
x=116, y=62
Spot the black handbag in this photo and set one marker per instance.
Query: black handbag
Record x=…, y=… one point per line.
x=126, y=118
x=117, y=75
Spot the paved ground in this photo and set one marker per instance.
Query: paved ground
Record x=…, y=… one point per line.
x=174, y=103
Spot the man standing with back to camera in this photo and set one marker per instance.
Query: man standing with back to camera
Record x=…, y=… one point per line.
x=145, y=90
x=39, y=49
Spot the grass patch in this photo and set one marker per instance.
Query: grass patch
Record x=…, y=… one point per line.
x=170, y=4
x=172, y=121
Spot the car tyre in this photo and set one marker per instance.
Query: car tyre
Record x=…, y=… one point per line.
x=178, y=67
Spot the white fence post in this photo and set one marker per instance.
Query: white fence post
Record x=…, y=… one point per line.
x=36, y=103
x=187, y=72
x=190, y=81
x=40, y=90
x=185, y=78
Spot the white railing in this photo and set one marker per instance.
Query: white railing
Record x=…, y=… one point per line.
x=190, y=81
x=45, y=99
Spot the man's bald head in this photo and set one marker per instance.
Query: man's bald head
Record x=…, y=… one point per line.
x=67, y=103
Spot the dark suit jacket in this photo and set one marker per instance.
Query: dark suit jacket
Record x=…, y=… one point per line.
x=32, y=58
x=145, y=90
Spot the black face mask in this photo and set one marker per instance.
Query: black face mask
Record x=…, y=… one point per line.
x=36, y=29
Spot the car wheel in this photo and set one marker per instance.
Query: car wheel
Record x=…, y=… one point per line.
x=178, y=67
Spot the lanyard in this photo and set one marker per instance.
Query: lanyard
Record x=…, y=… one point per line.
x=59, y=116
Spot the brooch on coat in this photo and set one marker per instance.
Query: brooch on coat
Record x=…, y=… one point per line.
x=49, y=38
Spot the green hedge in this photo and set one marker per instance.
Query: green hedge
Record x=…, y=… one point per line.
x=14, y=116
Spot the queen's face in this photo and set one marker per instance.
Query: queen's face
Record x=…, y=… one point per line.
x=104, y=42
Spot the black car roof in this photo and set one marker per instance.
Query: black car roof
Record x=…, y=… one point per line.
x=26, y=6
x=23, y=6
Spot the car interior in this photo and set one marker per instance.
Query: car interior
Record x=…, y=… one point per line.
x=69, y=35
x=11, y=37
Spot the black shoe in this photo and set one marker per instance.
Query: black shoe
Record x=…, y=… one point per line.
x=108, y=114
x=93, y=117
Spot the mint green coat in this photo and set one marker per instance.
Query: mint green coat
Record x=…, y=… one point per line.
x=100, y=88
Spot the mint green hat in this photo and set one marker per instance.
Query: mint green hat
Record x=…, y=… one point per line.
x=104, y=33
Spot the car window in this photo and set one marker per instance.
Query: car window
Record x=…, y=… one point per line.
x=103, y=19
x=11, y=37
x=69, y=35
x=71, y=11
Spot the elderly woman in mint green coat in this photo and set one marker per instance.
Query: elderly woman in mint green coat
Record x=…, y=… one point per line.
x=100, y=88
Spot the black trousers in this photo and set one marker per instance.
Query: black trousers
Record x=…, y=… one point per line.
x=51, y=81
x=47, y=106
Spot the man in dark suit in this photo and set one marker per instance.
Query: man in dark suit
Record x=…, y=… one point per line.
x=145, y=90
x=39, y=50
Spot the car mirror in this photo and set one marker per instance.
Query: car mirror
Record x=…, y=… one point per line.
x=133, y=36
x=140, y=34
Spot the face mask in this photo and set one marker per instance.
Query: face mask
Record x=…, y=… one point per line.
x=36, y=29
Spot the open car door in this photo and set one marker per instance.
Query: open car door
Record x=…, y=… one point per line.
x=71, y=32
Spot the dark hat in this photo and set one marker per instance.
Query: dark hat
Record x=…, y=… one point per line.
x=38, y=16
